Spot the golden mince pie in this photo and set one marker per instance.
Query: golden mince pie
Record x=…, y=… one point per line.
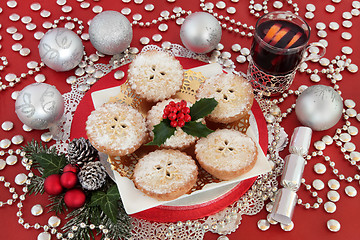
x=165, y=174
x=155, y=75
x=233, y=93
x=226, y=154
x=116, y=129
x=180, y=139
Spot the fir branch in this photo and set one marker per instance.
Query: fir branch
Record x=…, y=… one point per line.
x=57, y=204
x=36, y=185
x=77, y=216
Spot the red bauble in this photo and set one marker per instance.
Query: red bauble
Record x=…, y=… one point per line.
x=52, y=185
x=70, y=168
x=74, y=198
x=68, y=179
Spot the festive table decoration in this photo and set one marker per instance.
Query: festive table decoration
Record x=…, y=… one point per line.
x=110, y=32
x=319, y=107
x=39, y=105
x=95, y=201
x=61, y=49
x=178, y=115
x=200, y=32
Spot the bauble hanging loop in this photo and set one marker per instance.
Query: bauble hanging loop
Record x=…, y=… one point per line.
x=61, y=49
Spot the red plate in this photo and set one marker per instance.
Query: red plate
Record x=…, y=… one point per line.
x=172, y=213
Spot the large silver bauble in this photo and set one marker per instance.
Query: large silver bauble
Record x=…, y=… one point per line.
x=319, y=107
x=110, y=32
x=200, y=32
x=39, y=105
x=61, y=49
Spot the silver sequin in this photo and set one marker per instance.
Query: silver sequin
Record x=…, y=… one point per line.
x=346, y=35
x=278, y=4
x=333, y=184
x=330, y=8
x=45, y=13
x=263, y=224
x=17, y=139
x=318, y=184
x=309, y=15
x=330, y=207
x=35, y=6
x=46, y=137
x=5, y=143
x=119, y=74
x=288, y=227
x=347, y=24
x=350, y=191
x=333, y=225
x=144, y=40
x=333, y=196
x=37, y=210
x=347, y=15
x=7, y=125
x=310, y=7
x=97, y=9
x=11, y=160
x=334, y=26
x=320, y=168
x=20, y=179
x=346, y=50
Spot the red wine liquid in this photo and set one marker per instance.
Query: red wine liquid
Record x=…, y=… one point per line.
x=285, y=37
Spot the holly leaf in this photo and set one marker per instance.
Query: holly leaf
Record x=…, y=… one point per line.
x=51, y=163
x=196, y=129
x=108, y=202
x=162, y=131
x=202, y=108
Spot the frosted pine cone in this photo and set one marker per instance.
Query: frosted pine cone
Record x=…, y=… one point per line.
x=80, y=151
x=92, y=175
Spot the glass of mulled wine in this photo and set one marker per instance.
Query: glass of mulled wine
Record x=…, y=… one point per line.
x=279, y=47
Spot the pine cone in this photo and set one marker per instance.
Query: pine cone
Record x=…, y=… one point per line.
x=92, y=175
x=81, y=151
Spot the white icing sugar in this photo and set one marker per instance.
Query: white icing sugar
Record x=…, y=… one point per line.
x=164, y=171
x=155, y=75
x=233, y=93
x=226, y=150
x=116, y=126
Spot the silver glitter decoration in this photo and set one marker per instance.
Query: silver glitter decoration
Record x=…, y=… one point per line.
x=11, y=160
x=20, y=179
x=310, y=7
x=330, y=207
x=39, y=105
x=5, y=143
x=2, y=164
x=347, y=24
x=319, y=168
x=346, y=50
x=263, y=225
x=119, y=75
x=333, y=225
x=45, y=13
x=110, y=32
x=35, y=6
x=334, y=26
x=46, y=137
x=61, y=49
x=200, y=32
x=144, y=40
x=330, y=8
x=54, y=221
x=157, y=37
x=97, y=9
x=17, y=139
x=346, y=35
x=333, y=184
x=7, y=125
x=350, y=191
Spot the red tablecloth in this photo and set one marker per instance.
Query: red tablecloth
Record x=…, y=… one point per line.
x=309, y=224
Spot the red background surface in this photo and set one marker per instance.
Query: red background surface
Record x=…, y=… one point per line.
x=309, y=224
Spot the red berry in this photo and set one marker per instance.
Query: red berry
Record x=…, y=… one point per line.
x=173, y=123
x=172, y=103
x=165, y=116
x=74, y=198
x=173, y=109
x=68, y=180
x=71, y=168
x=180, y=123
x=180, y=116
x=52, y=185
x=172, y=116
x=185, y=110
x=166, y=111
x=187, y=118
x=183, y=103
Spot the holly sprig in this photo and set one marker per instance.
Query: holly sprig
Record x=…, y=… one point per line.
x=200, y=109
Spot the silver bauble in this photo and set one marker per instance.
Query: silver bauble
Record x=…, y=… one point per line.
x=61, y=49
x=319, y=107
x=110, y=32
x=200, y=32
x=39, y=105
